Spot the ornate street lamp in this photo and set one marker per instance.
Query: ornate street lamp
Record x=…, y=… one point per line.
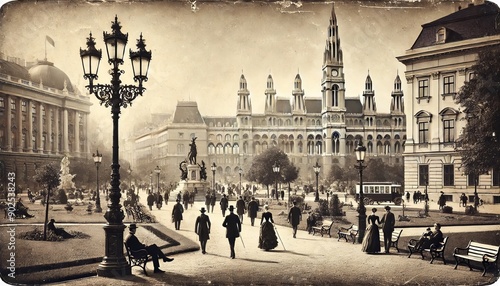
x=213, y=168
x=240, y=171
x=276, y=170
x=360, y=152
x=157, y=171
x=97, y=160
x=317, y=168
x=116, y=96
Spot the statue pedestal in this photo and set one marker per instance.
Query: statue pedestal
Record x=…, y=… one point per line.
x=193, y=180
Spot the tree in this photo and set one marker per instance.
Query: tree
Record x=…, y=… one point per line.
x=48, y=177
x=261, y=170
x=378, y=171
x=480, y=97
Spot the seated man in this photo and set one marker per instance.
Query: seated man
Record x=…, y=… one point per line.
x=21, y=210
x=58, y=230
x=431, y=238
x=134, y=244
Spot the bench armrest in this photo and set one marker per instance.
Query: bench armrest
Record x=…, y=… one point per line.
x=412, y=242
x=457, y=250
x=344, y=229
x=487, y=257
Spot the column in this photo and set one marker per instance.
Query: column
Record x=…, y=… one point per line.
x=56, y=130
x=77, y=133
x=29, y=124
x=65, y=132
x=39, y=135
x=19, y=119
x=48, y=137
x=85, y=133
x=8, y=144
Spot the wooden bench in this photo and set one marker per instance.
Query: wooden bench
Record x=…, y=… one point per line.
x=137, y=258
x=345, y=233
x=394, y=238
x=434, y=251
x=485, y=253
x=323, y=229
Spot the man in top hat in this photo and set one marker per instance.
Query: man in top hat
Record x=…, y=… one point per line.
x=294, y=217
x=240, y=208
x=253, y=207
x=134, y=244
x=223, y=204
x=233, y=228
x=202, y=229
x=177, y=211
x=389, y=221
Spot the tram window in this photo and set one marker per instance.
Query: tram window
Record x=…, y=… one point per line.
x=387, y=191
x=371, y=189
x=376, y=190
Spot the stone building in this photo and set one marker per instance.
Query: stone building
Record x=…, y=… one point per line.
x=322, y=128
x=42, y=118
x=437, y=66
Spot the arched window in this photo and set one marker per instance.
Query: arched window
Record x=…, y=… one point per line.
x=336, y=143
x=335, y=95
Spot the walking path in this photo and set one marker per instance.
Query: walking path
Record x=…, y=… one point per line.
x=306, y=260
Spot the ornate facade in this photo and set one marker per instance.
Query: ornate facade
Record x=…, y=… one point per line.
x=324, y=128
x=42, y=118
x=437, y=66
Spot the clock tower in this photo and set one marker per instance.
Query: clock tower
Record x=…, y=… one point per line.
x=333, y=96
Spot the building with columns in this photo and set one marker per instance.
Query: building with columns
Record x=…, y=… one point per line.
x=437, y=66
x=322, y=128
x=42, y=118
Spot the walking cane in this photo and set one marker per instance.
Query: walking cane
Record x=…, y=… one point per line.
x=242, y=242
x=279, y=237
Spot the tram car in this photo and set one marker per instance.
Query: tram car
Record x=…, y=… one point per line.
x=377, y=192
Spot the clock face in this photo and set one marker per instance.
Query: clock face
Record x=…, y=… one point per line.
x=335, y=72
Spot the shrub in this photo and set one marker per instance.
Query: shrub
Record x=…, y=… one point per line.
x=336, y=206
x=447, y=210
x=469, y=210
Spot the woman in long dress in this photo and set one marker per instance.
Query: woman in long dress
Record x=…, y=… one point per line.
x=371, y=241
x=267, y=238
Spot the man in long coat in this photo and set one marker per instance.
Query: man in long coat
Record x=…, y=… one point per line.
x=294, y=217
x=233, y=228
x=223, y=204
x=253, y=207
x=240, y=208
x=389, y=221
x=202, y=229
x=177, y=211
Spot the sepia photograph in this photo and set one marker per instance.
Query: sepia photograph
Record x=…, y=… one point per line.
x=211, y=142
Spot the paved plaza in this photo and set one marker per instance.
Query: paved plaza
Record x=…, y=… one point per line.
x=306, y=260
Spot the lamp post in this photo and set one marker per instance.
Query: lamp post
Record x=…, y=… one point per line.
x=240, y=171
x=151, y=182
x=116, y=96
x=426, y=196
x=97, y=160
x=276, y=170
x=213, y=168
x=157, y=171
x=129, y=171
x=360, y=157
x=317, y=168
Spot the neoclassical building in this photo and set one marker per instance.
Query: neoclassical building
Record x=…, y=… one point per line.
x=437, y=66
x=322, y=128
x=42, y=118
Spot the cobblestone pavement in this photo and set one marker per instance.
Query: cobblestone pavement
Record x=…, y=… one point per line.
x=306, y=260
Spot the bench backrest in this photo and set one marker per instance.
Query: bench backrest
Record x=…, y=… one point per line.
x=479, y=249
x=354, y=228
x=327, y=223
x=395, y=235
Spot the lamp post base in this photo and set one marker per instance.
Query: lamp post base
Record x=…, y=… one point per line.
x=362, y=227
x=114, y=263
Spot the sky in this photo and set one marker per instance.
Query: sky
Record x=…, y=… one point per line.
x=199, y=54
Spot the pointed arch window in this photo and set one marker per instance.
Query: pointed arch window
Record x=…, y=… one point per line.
x=336, y=143
x=335, y=95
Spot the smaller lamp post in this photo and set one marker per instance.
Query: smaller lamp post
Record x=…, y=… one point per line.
x=276, y=171
x=317, y=168
x=213, y=168
x=129, y=171
x=151, y=181
x=157, y=171
x=97, y=160
x=360, y=157
x=240, y=171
